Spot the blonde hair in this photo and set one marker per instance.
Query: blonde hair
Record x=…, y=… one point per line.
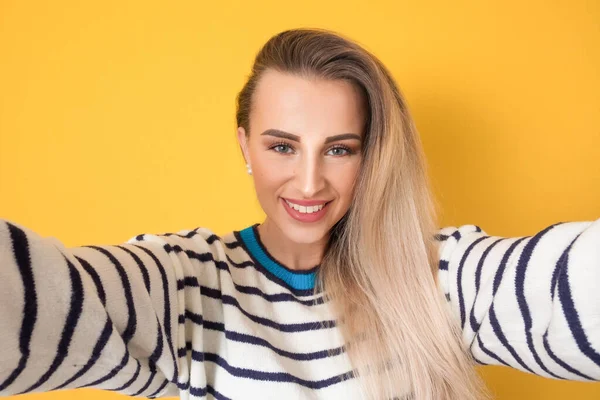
x=379, y=271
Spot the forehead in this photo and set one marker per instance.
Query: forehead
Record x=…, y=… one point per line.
x=307, y=106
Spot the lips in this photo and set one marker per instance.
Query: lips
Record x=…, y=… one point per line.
x=307, y=203
x=306, y=217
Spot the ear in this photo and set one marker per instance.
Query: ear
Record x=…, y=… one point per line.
x=243, y=141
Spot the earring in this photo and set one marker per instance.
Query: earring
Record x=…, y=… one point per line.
x=249, y=169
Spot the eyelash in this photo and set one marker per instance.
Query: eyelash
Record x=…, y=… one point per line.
x=339, y=146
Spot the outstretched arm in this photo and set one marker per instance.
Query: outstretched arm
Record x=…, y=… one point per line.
x=106, y=317
x=532, y=302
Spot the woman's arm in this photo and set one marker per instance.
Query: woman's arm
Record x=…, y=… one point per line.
x=106, y=317
x=533, y=302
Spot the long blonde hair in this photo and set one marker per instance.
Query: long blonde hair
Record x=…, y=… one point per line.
x=379, y=271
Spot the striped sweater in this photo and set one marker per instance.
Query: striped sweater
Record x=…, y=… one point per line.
x=195, y=315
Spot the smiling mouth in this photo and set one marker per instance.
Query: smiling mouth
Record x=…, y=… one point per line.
x=306, y=213
x=306, y=208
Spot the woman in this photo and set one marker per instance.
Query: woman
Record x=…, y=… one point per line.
x=344, y=291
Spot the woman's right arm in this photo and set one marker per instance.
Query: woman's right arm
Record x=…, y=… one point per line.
x=106, y=317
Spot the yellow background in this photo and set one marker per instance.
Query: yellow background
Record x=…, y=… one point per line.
x=117, y=118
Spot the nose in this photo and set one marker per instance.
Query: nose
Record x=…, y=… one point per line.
x=310, y=175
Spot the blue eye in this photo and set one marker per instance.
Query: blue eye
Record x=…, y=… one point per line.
x=343, y=148
x=284, y=145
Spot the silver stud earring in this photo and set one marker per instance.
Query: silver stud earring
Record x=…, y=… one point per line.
x=249, y=169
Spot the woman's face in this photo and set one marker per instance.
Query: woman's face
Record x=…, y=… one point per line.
x=304, y=146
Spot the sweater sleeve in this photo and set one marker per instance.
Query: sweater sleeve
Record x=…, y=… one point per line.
x=532, y=302
x=105, y=317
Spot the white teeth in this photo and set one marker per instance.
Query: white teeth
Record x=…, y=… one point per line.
x=304, y=209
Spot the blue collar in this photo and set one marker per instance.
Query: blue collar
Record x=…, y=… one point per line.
x=299, y=280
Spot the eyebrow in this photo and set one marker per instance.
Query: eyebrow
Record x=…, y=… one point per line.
x=296, y=138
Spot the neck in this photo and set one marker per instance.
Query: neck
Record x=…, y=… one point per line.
x=295, y=256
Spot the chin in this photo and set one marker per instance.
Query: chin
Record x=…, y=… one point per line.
x=305, y=235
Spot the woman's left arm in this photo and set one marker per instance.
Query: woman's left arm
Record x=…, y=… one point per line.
x=532, y=302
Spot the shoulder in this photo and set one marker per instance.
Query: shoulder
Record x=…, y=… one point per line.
x=199, y=239
x=447, y=238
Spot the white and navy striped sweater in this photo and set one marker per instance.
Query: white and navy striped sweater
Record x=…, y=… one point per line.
x=194, y=315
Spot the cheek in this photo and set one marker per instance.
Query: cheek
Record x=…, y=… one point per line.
x=267, y=177
x=343, y=180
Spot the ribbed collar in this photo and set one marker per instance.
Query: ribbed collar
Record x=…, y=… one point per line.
x=299, y=280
